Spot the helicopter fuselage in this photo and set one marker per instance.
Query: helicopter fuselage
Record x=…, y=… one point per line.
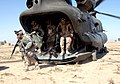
x=88, y=31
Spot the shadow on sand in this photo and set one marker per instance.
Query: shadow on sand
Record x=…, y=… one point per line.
x=3, y=68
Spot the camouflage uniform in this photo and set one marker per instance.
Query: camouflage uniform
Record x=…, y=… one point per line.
x=66, y=34
x=37, y=35
x=27, y=49
x=51, y=34
x=37, y=40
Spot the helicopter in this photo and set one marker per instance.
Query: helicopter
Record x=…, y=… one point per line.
x=89, y=36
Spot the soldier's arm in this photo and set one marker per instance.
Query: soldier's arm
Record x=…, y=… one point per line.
x=58, y=27
x=70, y=29
x=28, y=45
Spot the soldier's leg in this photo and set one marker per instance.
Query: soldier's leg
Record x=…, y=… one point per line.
x=68, y=43
x=23, y=58
x=34, y=61
x=27, y=63
x=37, y=65
x=62, y=45
x=23, y=54
x=31, y=59
x=40, y=45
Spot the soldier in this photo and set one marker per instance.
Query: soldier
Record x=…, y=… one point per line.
x=51, y=37
x=27, y=49
x=19, y=38
x=66, y=34
x=51, y=34
x=36, y=27
x=37, y=35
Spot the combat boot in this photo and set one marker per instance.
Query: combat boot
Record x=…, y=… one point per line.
x=67, y=52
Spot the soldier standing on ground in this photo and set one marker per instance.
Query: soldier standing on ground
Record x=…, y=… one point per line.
x=27, y=49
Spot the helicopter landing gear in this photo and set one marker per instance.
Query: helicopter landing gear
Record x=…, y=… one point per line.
x=104, y=50
x=94, y=55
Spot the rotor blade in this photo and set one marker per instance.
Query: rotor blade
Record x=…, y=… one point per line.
x=99, y=2
x=118, y=17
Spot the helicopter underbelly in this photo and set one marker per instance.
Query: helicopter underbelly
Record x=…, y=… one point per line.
x=97, y=39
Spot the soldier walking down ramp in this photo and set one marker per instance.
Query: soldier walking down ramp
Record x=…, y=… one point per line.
x=27, y=48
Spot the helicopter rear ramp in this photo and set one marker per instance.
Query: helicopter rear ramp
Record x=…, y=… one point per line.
x=76, y=57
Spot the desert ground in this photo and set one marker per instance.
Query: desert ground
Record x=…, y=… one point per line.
x=105, y=70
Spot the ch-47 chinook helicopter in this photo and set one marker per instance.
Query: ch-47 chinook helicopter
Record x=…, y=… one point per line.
x=89, y=37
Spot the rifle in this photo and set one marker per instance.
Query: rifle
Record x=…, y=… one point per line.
x=14, y=48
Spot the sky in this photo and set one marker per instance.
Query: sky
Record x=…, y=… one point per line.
x=11, y=10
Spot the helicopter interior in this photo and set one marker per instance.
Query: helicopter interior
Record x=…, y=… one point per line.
x=55, y=18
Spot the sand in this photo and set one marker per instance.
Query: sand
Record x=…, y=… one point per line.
x=105, y=70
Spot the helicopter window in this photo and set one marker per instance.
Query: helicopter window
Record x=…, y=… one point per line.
x=36, y=1
x=29, y=3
